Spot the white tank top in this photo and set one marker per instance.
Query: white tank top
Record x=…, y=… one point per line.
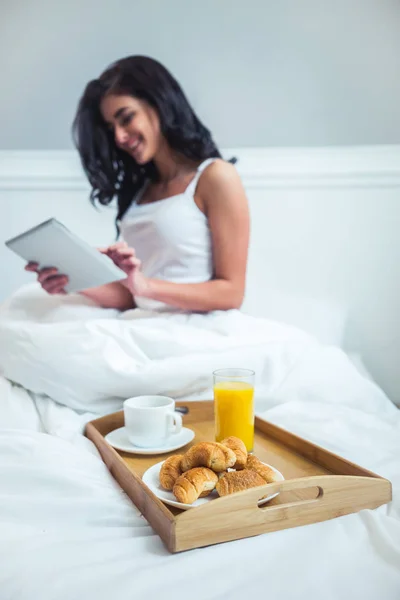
x=172, y=239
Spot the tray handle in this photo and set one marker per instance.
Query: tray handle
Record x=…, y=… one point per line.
x=337, y=495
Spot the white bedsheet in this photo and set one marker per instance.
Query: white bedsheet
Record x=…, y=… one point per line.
x=67, y=531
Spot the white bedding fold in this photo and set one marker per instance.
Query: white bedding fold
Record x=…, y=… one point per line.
x=91, y=360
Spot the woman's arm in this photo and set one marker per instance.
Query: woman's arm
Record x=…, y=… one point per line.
x=224, y=202
x=112, y=295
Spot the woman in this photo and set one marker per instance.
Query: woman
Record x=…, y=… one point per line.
x=182, y=210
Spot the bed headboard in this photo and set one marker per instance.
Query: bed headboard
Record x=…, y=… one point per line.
x=325, y=249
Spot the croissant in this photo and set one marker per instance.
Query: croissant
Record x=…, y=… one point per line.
x=193, y=484
x=255, y=464
x=209, y=454
x=239, y=448
x=236, y=481
x=170, y=471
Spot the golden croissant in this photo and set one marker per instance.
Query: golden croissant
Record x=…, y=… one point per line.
x=209, y=454
x=193, y=484
x=170, y=471
x=239, y=448
x=255, y=464
x=236, y=481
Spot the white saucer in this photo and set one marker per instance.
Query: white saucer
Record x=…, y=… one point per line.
x=151, y=478
x=119, y=440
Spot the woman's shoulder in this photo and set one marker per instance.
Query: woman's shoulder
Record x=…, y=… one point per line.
x=218, y=177
x=219, y=168
x=220, y=174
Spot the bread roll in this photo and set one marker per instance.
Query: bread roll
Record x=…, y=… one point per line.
x=239, y=448
x=236, y=481
x=209, y=454
x=255, y=464
x=170, y=471
x=193, y=484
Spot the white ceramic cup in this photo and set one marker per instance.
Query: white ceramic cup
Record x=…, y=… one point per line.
x=151, y=420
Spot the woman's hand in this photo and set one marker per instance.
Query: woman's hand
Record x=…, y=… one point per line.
x=125, y=258
x=49, y=278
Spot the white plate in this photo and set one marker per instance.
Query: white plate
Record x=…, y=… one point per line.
x=119, y=440
x=151, y=478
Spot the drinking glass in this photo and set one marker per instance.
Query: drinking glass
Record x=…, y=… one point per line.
x=234, y=405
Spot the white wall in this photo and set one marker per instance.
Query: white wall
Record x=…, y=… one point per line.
x=325, y=249
x=259, y=72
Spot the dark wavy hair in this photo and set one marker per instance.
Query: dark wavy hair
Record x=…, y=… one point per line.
x=113, y=173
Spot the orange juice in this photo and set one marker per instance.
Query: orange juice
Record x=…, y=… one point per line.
x=234, y=411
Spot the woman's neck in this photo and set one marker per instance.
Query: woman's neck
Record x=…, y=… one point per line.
x=171, y=165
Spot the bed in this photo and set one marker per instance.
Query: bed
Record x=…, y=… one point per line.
x=66, y=528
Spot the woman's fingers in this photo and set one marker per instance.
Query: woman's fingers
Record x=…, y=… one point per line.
x=32, y=267
x=117, y=249
x=124, y=251
x=122, y=254
x=52, y=281
x=55, y=284
x=44, y=274
x=130, y=261
x=49, y=278
x=117, y=246
x=119, y=255
x=124, y=257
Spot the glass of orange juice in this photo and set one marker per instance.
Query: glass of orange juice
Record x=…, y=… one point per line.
x=234, y=405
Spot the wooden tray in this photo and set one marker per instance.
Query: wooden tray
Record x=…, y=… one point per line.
x=318, y=485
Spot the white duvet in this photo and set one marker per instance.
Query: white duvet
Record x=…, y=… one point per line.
x=66, y=529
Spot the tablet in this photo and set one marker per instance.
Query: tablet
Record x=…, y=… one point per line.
x=51, y=244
